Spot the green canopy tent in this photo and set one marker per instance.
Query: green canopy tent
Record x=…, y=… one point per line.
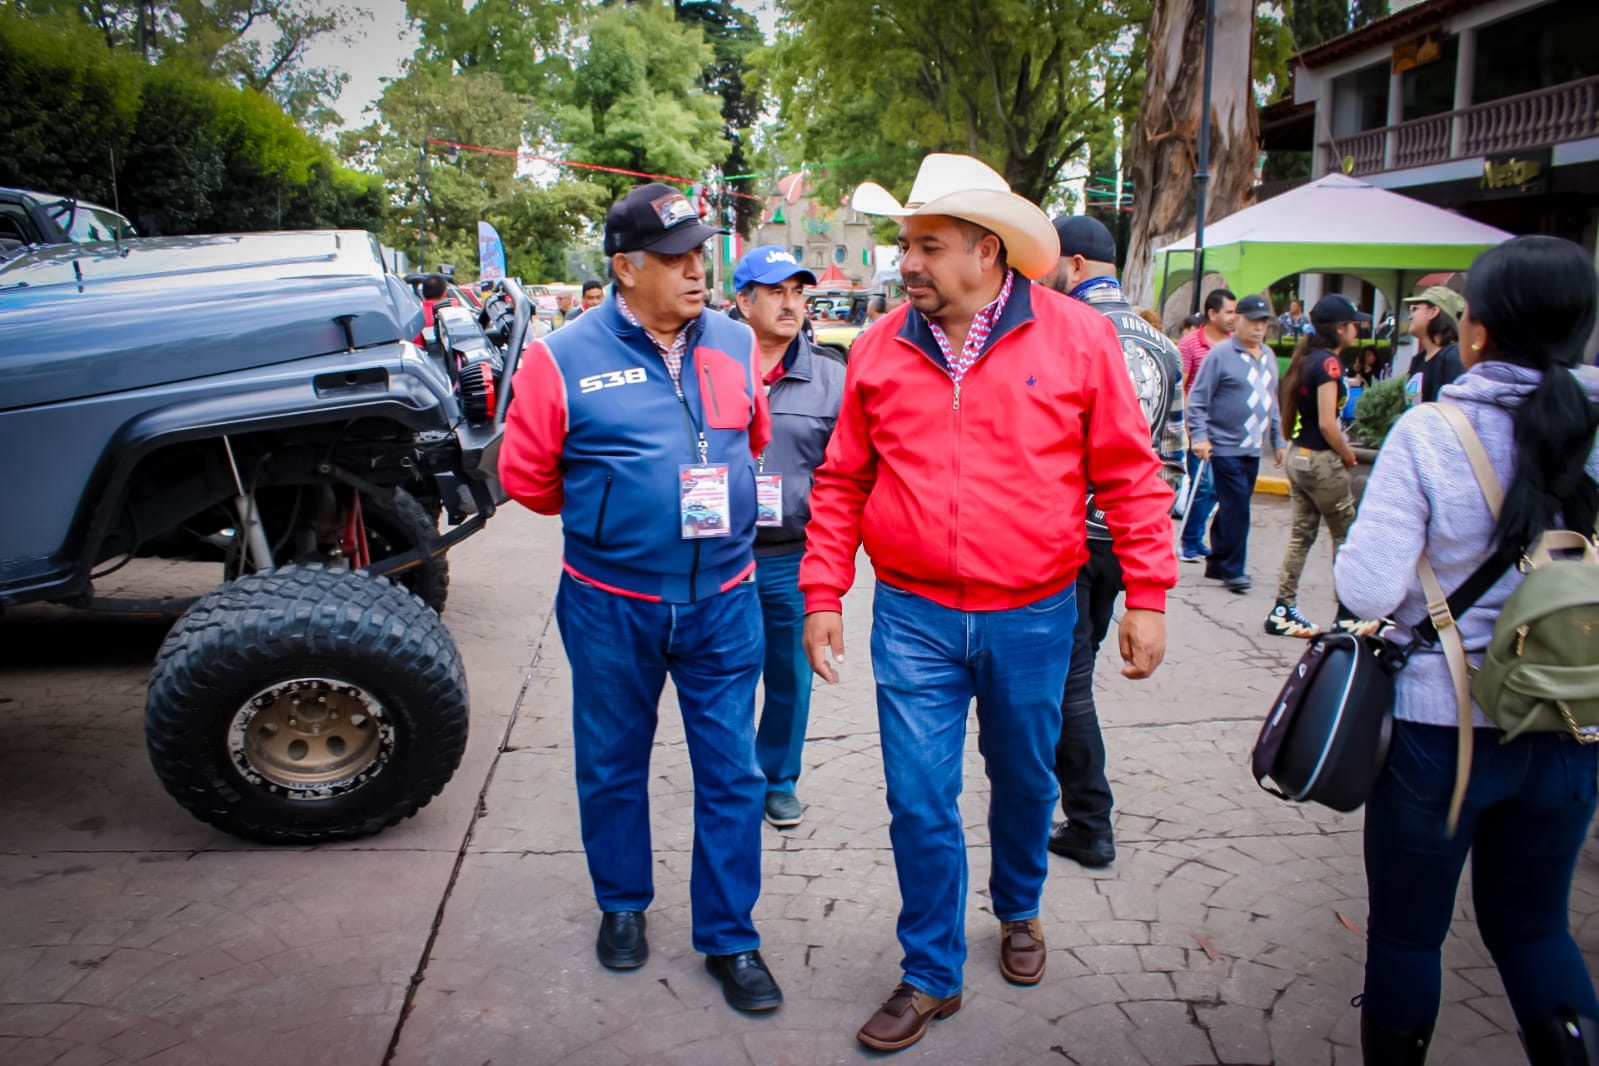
x=1335, y=225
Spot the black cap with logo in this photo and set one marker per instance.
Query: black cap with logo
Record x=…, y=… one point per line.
x=1335, y=309
x=655, y=218
x=1085, y=236
x=1254, y=307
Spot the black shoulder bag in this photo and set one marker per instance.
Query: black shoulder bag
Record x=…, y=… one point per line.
x=1326, y=738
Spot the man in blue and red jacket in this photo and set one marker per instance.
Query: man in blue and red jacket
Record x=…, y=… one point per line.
x=973, y=422
x=638, y=424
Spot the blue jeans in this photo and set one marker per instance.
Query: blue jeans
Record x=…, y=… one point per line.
x=621, y=650
x=1198, y=511
x=1526, y=814
x=1229, y=533
x=787, y=677
x=929, y=662
x=1085, y=795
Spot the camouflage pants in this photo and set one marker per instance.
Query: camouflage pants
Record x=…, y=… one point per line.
x=1319, y=488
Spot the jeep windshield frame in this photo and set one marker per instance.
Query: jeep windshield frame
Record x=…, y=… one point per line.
x=85, y=223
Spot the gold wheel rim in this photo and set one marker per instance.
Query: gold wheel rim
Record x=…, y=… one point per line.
x=310, y=738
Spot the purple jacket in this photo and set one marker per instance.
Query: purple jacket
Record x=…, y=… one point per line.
x=1422, y=495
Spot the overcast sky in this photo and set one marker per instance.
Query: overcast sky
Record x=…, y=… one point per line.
x=385, y=42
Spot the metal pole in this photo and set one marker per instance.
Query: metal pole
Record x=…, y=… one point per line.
x=421, y=209
x=1202, y=169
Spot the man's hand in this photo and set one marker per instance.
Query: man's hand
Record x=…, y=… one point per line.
x=1349, y=460
x=1142, y=636
x=1278, y=455
x=1201, y=448
x=824, y=632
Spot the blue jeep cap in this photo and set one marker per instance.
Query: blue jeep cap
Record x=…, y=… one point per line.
x=768, y=265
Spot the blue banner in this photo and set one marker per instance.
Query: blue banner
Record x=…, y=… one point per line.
x=490, y=252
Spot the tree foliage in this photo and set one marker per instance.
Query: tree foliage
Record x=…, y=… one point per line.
x=253, y=44
x=637, y=102
x=191, y=155
x=446, y=192
x=733, y=35
x=1312, y=22
x=525, y=42
x=1025, y=84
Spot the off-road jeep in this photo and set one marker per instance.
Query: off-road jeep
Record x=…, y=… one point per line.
x=254, y=400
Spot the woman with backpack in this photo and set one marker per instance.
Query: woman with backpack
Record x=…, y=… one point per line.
x=1528, y=802
x=1319, y=459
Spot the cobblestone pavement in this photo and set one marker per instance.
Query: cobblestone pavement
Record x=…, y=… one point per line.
x=1228, y=931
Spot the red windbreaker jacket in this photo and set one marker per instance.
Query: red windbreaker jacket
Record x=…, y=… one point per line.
x=974, y=497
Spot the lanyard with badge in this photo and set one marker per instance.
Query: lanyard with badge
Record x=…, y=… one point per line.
x=702, y=490
x=768, y=491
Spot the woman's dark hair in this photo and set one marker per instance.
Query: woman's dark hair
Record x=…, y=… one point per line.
x=1536, y=298
x=1441, y=330
x=1325, y=338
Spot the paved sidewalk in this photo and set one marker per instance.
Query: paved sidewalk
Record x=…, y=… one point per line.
x=1228, y=930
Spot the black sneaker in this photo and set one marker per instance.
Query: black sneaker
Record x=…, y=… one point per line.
x=1286, y=621
x=1360, y=627
x=1094, y=852
x=747, y=984
x=621, y=944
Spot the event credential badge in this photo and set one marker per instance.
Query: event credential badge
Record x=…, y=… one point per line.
x=769, y=499
x=703, y=501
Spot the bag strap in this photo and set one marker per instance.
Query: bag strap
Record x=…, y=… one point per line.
x=1481, y=466
x=1448, y=634
x=1441, y=611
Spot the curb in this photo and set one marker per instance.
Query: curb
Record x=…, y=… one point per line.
x=1271, y=486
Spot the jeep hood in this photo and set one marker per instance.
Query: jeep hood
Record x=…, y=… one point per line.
x=86, y=320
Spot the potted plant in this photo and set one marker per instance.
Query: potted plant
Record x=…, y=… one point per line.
x=1378, y=408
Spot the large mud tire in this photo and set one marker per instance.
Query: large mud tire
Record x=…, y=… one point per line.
x=399, y=525
x=232, y=741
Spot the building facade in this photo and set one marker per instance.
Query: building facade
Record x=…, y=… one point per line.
x=818, y=237
x=1487, y=107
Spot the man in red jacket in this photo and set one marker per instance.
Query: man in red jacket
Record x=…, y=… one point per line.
x=974, y=421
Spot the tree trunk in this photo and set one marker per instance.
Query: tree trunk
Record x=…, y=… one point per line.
x=1166, y=142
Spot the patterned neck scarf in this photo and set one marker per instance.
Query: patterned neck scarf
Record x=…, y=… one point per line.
x=976, y=335
x=671, y=354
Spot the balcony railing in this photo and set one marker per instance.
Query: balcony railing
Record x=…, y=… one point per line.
x=1555, y=115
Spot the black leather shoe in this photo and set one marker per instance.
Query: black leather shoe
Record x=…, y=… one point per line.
x=1094, y=852
x=621, y=944
x=1564, y=1040
x=746, y=982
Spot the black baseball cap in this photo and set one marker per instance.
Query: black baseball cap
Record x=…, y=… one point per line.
x=655, y=218
x=1087, y=237
x=1334, y=309
x=1254, y=307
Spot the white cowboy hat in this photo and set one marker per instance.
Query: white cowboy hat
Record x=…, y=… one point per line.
x=966, y=188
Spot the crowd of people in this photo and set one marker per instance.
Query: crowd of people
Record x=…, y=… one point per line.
x=1008, y=446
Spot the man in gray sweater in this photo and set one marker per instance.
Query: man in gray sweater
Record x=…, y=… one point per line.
x=1231, y=408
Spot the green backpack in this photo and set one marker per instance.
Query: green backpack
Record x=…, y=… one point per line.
x=1540, y=672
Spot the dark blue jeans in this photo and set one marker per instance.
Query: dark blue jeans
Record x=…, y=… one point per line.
x=1085, y=795
x=621, y=650
x=1526, y=815
x=780, y=740
x=1229, y=533
x=929, y=662
x=1198, y=511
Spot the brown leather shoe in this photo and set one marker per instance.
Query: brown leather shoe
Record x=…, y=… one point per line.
x=901, y=1021
x=1021, y=951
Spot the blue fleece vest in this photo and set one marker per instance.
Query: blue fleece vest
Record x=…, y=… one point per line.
x=628, y=432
